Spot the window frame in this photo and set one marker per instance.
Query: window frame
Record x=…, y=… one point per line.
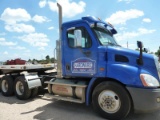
x=86, y=36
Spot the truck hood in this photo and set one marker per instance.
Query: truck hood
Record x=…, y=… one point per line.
x=124, y=51
x=149, y=65
x=128, y=52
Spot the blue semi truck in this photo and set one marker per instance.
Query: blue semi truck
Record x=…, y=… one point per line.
x=93, y=69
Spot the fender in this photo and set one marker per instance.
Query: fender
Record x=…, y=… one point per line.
x=33, y=80
x=125, y=74
x=88, y=91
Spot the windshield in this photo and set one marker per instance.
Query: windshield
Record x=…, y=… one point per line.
x=104, y=36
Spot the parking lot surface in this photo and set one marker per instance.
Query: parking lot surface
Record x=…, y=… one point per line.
x=44, y=108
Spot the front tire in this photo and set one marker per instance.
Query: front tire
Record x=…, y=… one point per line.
x=21, y=89
x=111, y=101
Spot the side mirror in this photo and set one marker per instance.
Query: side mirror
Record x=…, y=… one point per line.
x=140, y=59
x=78, y=38
x=139, y=44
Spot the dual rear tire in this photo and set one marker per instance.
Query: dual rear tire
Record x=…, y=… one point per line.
x=6, y=84
x=19, y=87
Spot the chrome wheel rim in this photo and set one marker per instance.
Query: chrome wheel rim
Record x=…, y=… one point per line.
x=109, y=101
x=19, y=88
x=4, y=86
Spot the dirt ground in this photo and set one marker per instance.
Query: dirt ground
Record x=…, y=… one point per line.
x=43, y=108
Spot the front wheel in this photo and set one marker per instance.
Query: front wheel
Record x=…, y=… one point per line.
x=111, y=101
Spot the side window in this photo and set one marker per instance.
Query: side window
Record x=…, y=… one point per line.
x=86, y=40
x=70, y=35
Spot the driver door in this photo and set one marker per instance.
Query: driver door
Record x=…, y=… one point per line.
x=79, y=60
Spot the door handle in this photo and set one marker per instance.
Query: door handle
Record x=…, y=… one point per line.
x=67, y=67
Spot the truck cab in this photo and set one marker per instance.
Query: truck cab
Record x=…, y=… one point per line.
x=96, y=69
x=84, y=48
x=89, y=49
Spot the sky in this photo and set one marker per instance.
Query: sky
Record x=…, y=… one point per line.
x=29, y=28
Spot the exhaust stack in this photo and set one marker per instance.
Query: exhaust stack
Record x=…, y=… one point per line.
x=59, y=43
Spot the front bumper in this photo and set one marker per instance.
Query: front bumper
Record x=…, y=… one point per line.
x=145, y=100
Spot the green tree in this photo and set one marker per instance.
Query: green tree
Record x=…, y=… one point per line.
x=158, y=51
x=47, y=57
x=34, y=61
x=30, y=60
x=48, y=60
x=53, y=60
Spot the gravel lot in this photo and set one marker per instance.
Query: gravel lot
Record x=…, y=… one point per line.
x=43, y=108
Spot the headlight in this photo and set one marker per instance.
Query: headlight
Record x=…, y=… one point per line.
x=149, y=81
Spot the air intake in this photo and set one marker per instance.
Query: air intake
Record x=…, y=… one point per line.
x=121, y=58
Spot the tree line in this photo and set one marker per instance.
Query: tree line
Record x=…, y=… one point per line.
x=47, y=60
x=158, y=52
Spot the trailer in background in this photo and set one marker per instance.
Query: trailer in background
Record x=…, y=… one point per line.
x=24, y=80
x=17, y=61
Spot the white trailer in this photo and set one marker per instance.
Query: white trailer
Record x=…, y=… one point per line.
x=23, y=80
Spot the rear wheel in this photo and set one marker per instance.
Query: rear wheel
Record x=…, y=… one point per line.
x=111, y=101
x=7, y=85
x=21, y=89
